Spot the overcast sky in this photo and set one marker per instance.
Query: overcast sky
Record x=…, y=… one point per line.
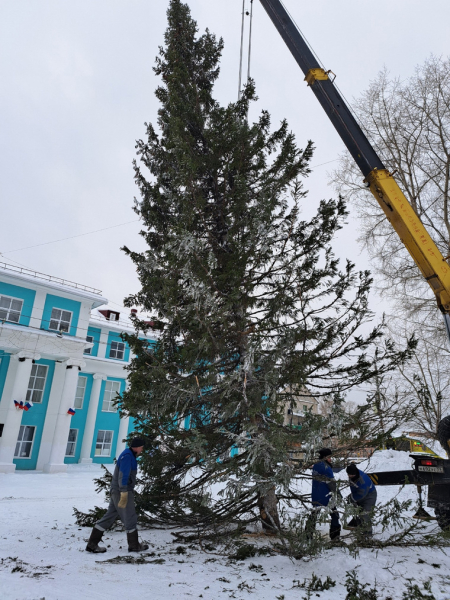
x=77, y=86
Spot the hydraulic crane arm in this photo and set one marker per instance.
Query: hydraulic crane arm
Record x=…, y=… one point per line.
x=382, y=184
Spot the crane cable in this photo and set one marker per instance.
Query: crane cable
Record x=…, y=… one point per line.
x=250, y=40
x=241, y=53
x=242, y=48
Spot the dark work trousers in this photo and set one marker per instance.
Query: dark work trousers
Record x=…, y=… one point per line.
x=312, y=520
x=127, y=515
x=367, y=504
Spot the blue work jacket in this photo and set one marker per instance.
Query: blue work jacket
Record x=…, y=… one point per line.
x=323, y=483
x=124, y=476
x=361, y=487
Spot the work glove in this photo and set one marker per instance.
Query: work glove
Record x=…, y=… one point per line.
x=331, y=485
x=123, y=500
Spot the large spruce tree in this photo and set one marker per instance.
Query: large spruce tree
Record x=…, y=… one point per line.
x=251, y=305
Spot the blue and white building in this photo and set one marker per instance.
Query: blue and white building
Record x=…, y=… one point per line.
x=60, y=352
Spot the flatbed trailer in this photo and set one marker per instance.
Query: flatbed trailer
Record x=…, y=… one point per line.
x=430, y=471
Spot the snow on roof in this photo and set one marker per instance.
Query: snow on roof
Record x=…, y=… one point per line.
x=41, y=279
x=123, y=324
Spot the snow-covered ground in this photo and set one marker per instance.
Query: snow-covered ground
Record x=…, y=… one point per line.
x=42, y=553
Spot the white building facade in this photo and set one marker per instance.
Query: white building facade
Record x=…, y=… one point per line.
x=62, y=364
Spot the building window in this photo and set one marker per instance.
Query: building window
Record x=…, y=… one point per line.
x=305, y=408
x=112, y=388
x=36, y=384
x=89, y=339
x=79, y=394
x=72, y=442
x=24, y=442
x=103, y=443
x=60, y=320
x=10, y=309
x=117, y=350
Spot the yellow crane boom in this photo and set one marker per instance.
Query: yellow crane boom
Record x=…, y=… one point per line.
x=398, y=210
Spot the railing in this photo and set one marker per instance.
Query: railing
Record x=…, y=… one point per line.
x=50, y=278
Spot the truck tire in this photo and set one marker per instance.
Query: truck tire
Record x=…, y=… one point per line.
x=443, y=517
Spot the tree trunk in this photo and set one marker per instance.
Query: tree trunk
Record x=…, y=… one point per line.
x=268, y=510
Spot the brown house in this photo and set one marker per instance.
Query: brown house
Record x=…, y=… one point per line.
x=303, y=402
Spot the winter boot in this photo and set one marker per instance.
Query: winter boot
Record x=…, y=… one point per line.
x=134, y=545
x=335, y=532
x=353, y=524
x=92, y=545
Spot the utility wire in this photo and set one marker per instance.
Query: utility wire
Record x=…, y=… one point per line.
x=30, y=269
x=69, y=238
x=18, y=263
x=94, y=324
x=325, y=163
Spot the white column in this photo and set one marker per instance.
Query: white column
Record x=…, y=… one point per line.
x=14, y=416
x=102, y=347
x=85, y=454
x=38, y=308
x=83, y=319
x=123, y=432
x=51, y=414
x=61, y=434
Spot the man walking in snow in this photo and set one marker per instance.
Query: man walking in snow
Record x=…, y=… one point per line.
x=323, y=486
x=363, y=494
x=121, y=505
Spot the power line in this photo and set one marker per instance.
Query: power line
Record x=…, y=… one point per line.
x=60, y=335
x=69, y=238
x=96, y=231
x=117, y=304
x=30, y=269
x=325, y=163
x=27, y=309
x=18, y=263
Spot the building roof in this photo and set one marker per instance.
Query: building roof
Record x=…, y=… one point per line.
x=56, y=283
x=123, y=324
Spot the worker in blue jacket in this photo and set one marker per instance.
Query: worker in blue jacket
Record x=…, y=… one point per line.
x=121, y=505
x=363, y=493
x=323, y=487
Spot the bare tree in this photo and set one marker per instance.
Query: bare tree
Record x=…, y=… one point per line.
x=408, y=123
x=423, y=384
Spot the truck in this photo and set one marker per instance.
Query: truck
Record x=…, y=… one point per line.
x=428, y=470
x=433, y=472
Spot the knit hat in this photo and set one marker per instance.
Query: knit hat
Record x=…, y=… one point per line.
x=137, y=443
x=352, y=470
x=324, y=452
